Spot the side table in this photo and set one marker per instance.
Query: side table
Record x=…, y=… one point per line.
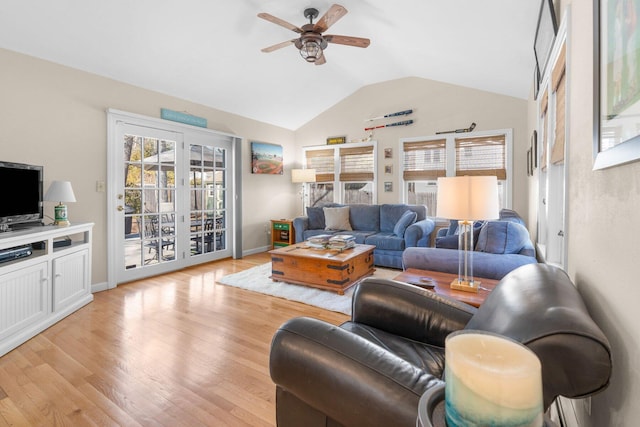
x=282, y=233
x=442, y=281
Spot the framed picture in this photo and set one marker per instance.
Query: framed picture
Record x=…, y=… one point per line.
x=388, y=153
x=388, y=187
x=545, y=35
x=266, y=158
x=388, y=169
x=616, y=72
x=536, y=82
x=529, y=163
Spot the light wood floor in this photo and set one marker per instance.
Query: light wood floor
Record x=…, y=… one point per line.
x=173, y=350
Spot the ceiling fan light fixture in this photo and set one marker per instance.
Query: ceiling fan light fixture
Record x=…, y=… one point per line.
x=311, y=50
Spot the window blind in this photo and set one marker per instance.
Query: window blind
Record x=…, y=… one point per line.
x=424, y=160
x=558, y=84
x=544, y=106
x=356, y=164
x=481, y=156
x=322, y=162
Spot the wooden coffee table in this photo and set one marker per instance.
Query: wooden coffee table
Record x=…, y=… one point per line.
x=442, y=282
x=327, y=269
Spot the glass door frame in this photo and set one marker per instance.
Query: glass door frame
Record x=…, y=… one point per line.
x=115, y=222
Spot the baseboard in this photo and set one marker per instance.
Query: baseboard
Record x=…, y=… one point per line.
x=563, y=412
x=256, y=250
x=98, y=287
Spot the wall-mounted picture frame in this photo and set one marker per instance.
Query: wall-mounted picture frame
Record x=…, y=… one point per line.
x=545, y=35
x=529, y=163
x=536, y=82
x=616, y=68
x=388, y=169
x=388, y=187
x=388, y=153
x=266, y=158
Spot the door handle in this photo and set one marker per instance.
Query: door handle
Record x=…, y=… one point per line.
x=120, y=208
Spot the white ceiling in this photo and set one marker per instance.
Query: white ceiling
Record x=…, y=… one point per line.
x=208, y=51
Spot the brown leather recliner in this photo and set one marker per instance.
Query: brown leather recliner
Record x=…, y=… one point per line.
x=372, y=370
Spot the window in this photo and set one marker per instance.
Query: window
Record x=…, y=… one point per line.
x=427, y=158
x=344, y=174
x=552, y=177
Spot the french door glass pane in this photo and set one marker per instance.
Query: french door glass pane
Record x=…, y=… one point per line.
x=207, y=185
x=149, y=201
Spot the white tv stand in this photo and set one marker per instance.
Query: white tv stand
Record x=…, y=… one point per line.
x=43, y=288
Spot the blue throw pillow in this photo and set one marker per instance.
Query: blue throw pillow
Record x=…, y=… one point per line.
x=502, y=237
x=407, y=218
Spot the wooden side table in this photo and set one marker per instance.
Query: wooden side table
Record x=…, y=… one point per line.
x=442, y=282
x=282, y=233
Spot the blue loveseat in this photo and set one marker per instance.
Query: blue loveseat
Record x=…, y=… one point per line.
x=391, y=228
x=500, y=247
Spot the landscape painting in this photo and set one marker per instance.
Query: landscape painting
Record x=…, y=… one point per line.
x=266, y=158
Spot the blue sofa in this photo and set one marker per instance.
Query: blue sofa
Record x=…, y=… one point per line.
x=391, y=228
x=500, y=247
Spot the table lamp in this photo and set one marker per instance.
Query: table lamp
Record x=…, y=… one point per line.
x=60, y=191
x=302, y=176
x=467, y=198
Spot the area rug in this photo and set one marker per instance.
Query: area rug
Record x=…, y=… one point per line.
x=257, y=279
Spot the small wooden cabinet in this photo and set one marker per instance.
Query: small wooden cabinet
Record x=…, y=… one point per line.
x=282, y=233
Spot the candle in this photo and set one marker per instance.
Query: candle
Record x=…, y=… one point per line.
x=491, y=381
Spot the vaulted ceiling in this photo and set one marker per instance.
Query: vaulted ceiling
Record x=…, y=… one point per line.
x=208, y=51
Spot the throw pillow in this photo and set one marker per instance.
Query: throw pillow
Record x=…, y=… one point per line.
x=316, y=218
x=337, y=218
x=407, y=218
x=502, y=237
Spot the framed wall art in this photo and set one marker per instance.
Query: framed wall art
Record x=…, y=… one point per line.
x=616, y=76
x=545, y=35
x=266, y=158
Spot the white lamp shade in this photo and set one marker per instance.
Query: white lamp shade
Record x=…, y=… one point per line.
x=468, y=198
x=60, y=191
x=303, y=175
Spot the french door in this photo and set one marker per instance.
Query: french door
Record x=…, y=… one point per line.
x=170, y=202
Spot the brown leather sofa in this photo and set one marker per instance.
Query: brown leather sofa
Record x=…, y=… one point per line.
x=372, y=370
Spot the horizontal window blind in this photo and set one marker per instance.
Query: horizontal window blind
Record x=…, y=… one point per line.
x=424, y=160
x=322, y=162
x=481, y=156
x=356, y=164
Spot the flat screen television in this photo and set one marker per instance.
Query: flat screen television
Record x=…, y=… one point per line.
x=21, y=194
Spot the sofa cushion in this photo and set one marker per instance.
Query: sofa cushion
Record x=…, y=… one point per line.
x=407, y=218
x=391, y=213
x=386, y=241
x=316, y=218
x=337, y=218
x=316, y=215
x=364, y=217
x=451, y=241
x=502, y=237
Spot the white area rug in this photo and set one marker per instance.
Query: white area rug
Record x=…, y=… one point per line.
x=257, y=279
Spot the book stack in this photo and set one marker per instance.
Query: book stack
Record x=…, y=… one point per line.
x=320, y=241
x=342, y=242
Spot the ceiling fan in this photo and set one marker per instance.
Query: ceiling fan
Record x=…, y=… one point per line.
x=311, y=42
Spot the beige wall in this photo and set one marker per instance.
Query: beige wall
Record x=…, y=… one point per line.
x=55, y=116
x=437, y=107
x=603, y=231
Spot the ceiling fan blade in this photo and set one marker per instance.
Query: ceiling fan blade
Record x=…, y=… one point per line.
x=280, y=22
x=321, y=60
x=334, y=13
x=347, y=40
x=278, y=46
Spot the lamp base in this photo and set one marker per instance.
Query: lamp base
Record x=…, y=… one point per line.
x=60, y=214
x=461, y=285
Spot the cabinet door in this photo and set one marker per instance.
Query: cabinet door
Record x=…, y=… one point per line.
x=70, y=278
x=23, y=298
